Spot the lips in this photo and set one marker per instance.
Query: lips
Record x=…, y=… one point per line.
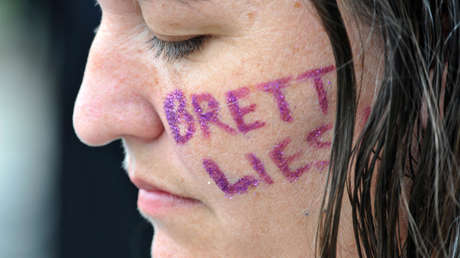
x=156, y=202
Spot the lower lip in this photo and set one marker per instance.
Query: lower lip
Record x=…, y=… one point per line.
x=157, y=203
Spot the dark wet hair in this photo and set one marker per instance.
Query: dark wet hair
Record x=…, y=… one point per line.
x=404, y=185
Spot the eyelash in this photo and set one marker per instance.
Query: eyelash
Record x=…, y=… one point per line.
x=174, y=50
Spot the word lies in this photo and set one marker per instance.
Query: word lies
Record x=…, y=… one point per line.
x=277, y=155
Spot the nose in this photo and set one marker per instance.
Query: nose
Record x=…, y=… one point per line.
x=115, y=99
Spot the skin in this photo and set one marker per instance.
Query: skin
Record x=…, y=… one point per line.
x=123, y=96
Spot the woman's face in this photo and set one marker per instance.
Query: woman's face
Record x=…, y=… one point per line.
x=237, y=129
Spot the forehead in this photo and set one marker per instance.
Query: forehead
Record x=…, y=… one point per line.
x=128, y=6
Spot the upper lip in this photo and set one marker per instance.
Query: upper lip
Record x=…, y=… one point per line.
x=149, y=187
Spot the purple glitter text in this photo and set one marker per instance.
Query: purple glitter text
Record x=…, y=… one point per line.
x=241, y=186
x=277, y=155
x=259, y=168
x=313, y=138
x=177, y=115
x=238, y=112
x=211, y=116
x=316, y=75
x=274, y=87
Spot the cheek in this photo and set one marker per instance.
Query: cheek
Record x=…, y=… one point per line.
x=254, y=136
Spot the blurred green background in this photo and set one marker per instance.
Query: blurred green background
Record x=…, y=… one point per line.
x=28, y=129
x=58, y=198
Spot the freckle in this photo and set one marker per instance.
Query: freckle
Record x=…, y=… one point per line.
x=297, y=4
x=251, y=15
x=257, y=195
x=237, y=73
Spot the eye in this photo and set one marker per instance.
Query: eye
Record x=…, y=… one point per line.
x=174, y=50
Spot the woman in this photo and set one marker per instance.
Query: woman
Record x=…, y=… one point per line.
x=263, y=128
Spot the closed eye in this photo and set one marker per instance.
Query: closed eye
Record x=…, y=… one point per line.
x=174, y=50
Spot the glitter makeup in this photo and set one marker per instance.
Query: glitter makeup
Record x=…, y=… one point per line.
x=282, y=162
x=322, y=165
x=313, y=138
x=274, y=87
x=322, y=95
x=182, y=124
x=259, y=168
x=238, y=112
x=316, y=75
x=241, y=186
x=178, y=115
x=211, y=116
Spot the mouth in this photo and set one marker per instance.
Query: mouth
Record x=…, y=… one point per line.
x=156, y=202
